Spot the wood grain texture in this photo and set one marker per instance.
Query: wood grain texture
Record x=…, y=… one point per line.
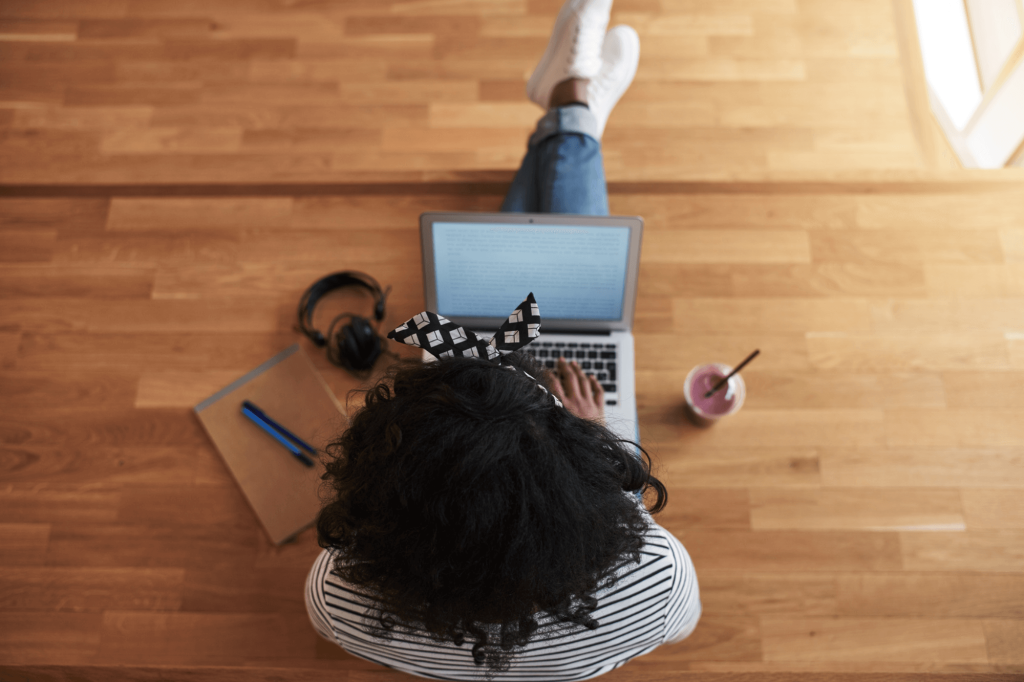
x=987, y=508
x=930, y=595
x=866, y=493
x=882, y=639
x=151, y=91
x=175, y=174
x=855, y=509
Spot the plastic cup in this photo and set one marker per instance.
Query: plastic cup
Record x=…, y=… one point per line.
x=725, y=401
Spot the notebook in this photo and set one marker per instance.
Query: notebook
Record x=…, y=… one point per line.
x=283, y=492
x=583, y=271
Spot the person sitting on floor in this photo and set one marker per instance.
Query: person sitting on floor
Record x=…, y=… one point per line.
x=483, y=524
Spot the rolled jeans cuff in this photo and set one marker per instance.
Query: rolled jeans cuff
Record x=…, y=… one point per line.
x=573, y=118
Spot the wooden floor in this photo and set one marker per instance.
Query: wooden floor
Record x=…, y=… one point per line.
x=241, y=90
x=173, y=174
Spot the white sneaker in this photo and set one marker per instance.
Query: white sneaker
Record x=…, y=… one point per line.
x=619, y=56
x=574, y=50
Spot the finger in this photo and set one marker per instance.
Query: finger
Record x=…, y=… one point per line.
x=570, y=382
x=597, y=389
x=556, y=386
x=585, y=385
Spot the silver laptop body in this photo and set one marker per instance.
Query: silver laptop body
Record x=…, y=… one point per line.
x=583, y=271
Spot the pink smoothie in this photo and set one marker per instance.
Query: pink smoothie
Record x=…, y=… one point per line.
x=704, y=381
x=726, y=400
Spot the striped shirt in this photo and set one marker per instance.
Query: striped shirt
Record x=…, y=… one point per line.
x=654, y=602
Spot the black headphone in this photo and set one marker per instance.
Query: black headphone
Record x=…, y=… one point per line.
x=357, y=345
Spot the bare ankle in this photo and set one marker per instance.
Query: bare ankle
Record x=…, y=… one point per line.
x=569, y=91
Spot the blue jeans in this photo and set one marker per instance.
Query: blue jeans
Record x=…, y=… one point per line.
x=562, y=171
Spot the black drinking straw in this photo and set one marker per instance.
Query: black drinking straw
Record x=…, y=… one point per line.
x=725, y=379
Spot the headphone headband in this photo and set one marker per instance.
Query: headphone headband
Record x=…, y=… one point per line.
x=322, y=286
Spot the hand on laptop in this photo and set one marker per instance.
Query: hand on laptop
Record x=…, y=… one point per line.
x=581, y=394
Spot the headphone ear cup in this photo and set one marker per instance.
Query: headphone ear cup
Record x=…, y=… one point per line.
x=355, y=346
x=358, y=344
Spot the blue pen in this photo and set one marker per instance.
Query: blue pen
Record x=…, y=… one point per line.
x=279, y=438
x=280, y=429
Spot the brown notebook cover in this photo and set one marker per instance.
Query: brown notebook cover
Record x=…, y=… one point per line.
x=282, y=491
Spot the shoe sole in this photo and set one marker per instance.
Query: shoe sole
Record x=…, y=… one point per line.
x=557, y=35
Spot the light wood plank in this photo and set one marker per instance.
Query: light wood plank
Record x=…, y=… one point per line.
x=721, y=467
x=742, y=593
x=874, y=639
x=180, y=388
x=781, y=390
x=659, y=350
x=53, y=314
x=747, y=211
x=974, y=390
x=198, y=213
x=926, y=467
x=930, y=595
x=732, y=639
x=783, y=316
x=793, y=551
x=829, y=279
x=1012, y=240
x=945, y=315
x=1015, y=347
x=362, y=212
x=727, y=246
x=937, y=352
x=856, y=509
x=995, y=281
x=702, y=508
x=172, y=141
x=985, y=211
x=889, y=246
x=782, y=428
x=965, y=428
x=992, y=508
x=1005, y=643
x=190, y=350
x=982, y=551
x=149, y=249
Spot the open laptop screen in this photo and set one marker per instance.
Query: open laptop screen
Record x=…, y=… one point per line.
x=576, y=272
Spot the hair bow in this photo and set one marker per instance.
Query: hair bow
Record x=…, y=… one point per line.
x=442, y=338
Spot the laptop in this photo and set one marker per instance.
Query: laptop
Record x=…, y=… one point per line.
x=583, y=270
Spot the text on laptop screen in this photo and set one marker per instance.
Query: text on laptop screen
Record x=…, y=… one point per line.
x=575, y=272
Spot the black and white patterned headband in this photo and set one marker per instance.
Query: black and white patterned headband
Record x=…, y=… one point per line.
x=442, y=338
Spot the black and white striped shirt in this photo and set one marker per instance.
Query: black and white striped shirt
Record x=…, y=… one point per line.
x=654, y=602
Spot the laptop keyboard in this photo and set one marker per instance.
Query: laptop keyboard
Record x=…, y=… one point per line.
x=595, y=359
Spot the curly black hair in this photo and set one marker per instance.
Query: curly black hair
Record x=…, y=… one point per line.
x=463, y=502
